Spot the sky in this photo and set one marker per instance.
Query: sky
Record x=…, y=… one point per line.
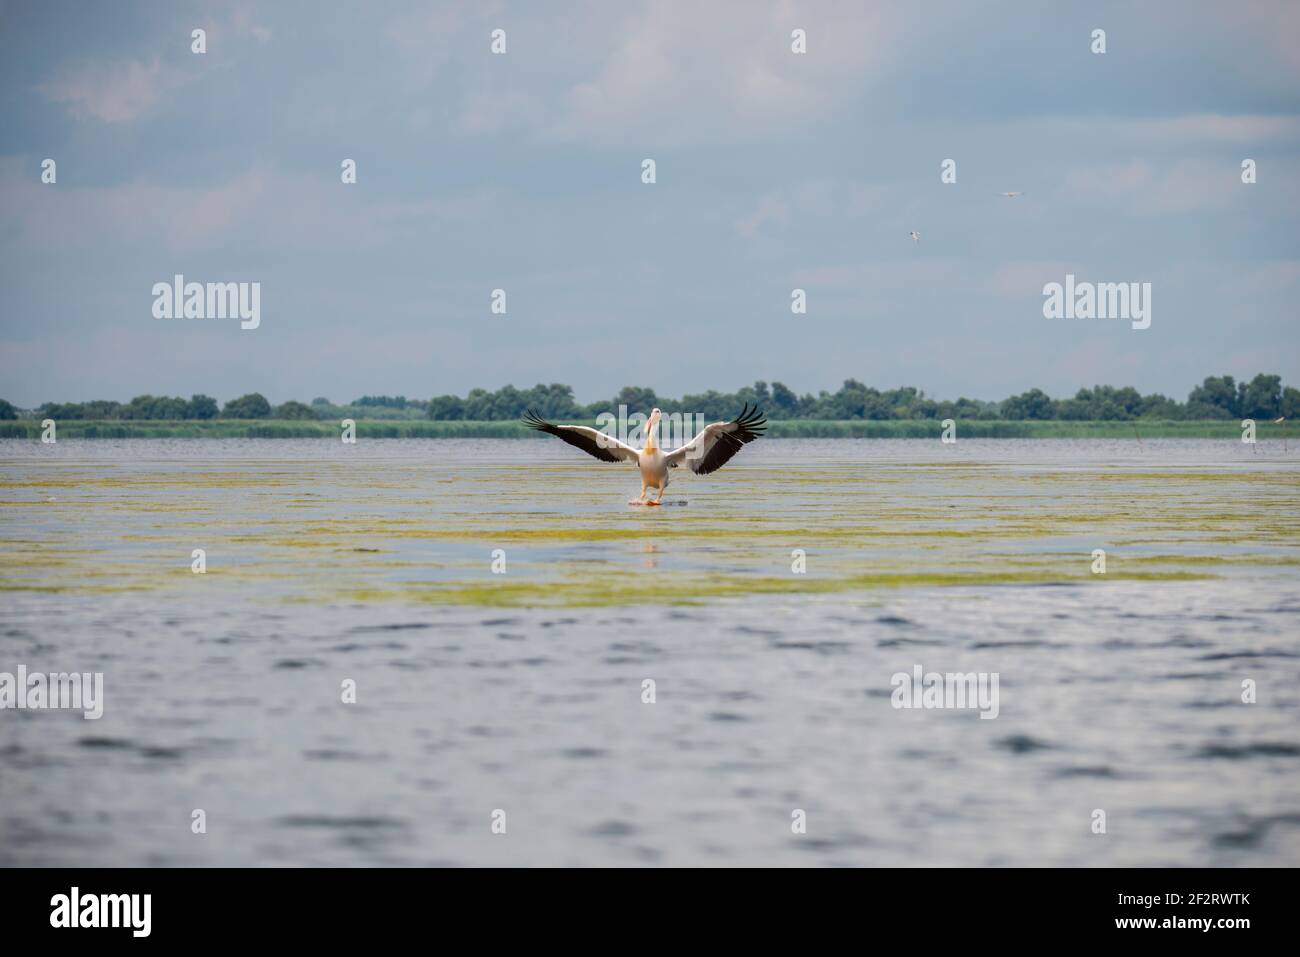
x=522, y=171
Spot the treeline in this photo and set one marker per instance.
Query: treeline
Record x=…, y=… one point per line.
x=1218, y=397
x=153, y=408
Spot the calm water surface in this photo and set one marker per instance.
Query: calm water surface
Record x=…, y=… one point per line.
x=523, y=691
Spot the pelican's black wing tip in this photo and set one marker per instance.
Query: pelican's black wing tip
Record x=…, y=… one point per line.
x=752, y=419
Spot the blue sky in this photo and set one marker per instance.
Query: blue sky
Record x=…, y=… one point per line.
x=522, y=172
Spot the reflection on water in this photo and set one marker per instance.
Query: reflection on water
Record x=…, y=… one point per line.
x=1119, y=692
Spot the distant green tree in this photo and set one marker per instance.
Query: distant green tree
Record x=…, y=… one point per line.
x=851, y=401
x=293, y=410
x=478, y=404
x=446, y=408
x=554, y=401
x=251, y=406
x=155, y=407
x=138, y=408
x=637, y=399
x=1078, y=408
x=1291, y=402
x=923, y=408
x=785, y=404
x=201, y=407
x=965, y=408
x=1034, y=404
x=1102, y=402
x=1157, y=406
x=1220, y=393
x=385, y=401
x=1202, y=410
x=714, y=406
x=507, y=403
x=1261, y=399
x=757, y=394
x=7, y=411
x=62, y=411
x=95, y=409
x=856, y=401
x=1127, y=398
x=908, y=402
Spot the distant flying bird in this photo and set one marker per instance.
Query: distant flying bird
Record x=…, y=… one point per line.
x=916, y=237
x=707, y=452
x=1012, y=195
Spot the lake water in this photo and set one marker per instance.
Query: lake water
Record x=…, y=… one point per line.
x=499, y=607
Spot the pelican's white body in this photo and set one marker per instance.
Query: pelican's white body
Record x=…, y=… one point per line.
x=651, y=459
x=654, y=468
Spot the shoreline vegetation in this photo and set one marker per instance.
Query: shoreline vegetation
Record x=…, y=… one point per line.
x=1141, y=429
x=1214, y=409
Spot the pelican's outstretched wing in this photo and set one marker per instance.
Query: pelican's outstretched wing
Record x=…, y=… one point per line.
x=594, y=443
x=714, y=447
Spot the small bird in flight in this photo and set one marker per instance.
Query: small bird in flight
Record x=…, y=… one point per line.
x=1012, y=195
x=916, y=237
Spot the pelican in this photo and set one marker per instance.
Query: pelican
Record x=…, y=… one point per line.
x=707, y=452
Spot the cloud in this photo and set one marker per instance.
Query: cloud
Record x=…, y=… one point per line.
x=428, y=39
x=1267, y=278
x=124, y=90
x=874, y=279
x=179, y=218
x=1018, y=280
x=253, y=209
x=242, y=22
x=686, y=72
x=770, y=208
x=823, y=198
x=116, y=92
x=667, y=73
x=1216, y=127
x=1145, y=189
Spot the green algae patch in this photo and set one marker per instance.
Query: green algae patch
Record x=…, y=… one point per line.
x=489, y=533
